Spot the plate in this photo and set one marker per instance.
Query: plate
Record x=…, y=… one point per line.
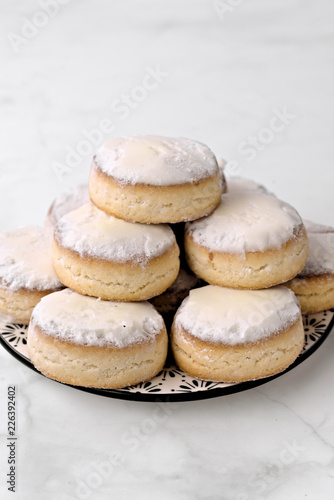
x=173, y=384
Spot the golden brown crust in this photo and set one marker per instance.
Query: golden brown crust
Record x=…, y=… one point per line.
x=115, y=280
x=254, y=271
x=238, y=363
x=315, y=293
x=19, y=304
x=100, y=367
x=154, y=204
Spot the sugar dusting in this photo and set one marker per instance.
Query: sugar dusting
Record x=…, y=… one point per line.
x=320, y=258
x=236, y=184
x=91, y=232
x=156, y=160
x=246, y=222
x=67, y=202
x=88, y=321
x=25, y=259
x=224, y=315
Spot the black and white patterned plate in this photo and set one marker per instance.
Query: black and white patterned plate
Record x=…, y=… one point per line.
x=173, y=384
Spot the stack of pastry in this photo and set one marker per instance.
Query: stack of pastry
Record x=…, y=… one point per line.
x=116, y=252
x=119, y=250
x=245, y=324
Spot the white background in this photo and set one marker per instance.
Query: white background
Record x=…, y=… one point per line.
x=226, y=76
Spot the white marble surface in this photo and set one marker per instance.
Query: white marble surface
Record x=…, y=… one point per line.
x=228, y=77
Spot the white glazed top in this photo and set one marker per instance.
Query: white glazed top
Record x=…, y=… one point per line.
x=227, y=316
x=155, y=160
x=83, y=320
x=246, y=222
x=236, y=184
x=25, y=259
x=320, y=258
x=67, y=202
x=91, y=232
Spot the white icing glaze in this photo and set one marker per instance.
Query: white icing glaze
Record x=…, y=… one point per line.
x=237, y=184
x=246, y=222
x=228, y=316
x=67, y=202
x=25, y=259
x=320, y=258
x=156, y=160
x=88, y=321
x=91, y=232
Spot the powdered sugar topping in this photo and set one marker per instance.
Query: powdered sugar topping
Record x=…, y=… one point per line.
x=91, y=232
x=25, y=259
x=156, y=160
x=88, y=321
x=246, y=222
x=236, y=184
x=67, y=202
x=320, y=258
x=227, y=316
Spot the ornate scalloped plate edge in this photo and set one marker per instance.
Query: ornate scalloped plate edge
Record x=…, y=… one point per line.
x=173, y=384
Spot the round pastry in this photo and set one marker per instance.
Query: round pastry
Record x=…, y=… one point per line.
x=99, y=255
x=236, y=184
x=155, y=179
x=314, y=285
x=66, y=203
x=251, y=241
x=26, y=272
x=95, y=343
x=228, y=335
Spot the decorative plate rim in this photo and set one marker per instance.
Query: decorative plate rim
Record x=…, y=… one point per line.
x=182, y=396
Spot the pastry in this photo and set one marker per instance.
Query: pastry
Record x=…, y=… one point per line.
x=154, y=179
x=65, y=203
x=89, y=342
x=227, y=335
x=99, y=255
x=235, y=184
x=250, y=241
x=314, y=285
x=26, y=272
